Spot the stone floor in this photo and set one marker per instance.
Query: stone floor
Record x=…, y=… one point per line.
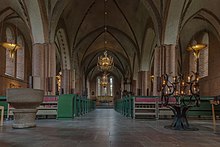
x=105, y=128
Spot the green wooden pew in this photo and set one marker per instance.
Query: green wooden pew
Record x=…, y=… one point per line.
x=72, y=105
x=3, y=102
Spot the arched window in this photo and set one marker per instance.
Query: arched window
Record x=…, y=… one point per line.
x=20, y=58
x=104, y=90
x=203, y=58
x=10, y=64
x=98, y=86
x=111, y=86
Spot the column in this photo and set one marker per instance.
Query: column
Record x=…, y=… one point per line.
x=65, y=86
x=38, y=66
x=157, y=70
x=44, y=67
x=147, y=82
x=134, y=87
x=171, y=59
x=144, y=82
x=78, y=82
x=51, y=68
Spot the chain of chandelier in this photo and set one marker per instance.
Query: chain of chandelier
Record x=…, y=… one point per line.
x=105, y=62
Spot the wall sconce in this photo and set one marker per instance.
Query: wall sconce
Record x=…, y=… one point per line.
x=12, y=47
x=152, y=78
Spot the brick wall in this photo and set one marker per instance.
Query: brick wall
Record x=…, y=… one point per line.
x=12, y=82
x=210, y=85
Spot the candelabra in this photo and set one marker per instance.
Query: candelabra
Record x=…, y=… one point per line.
x=180, y=93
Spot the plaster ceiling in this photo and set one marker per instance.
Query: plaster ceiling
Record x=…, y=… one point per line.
x=126, y=22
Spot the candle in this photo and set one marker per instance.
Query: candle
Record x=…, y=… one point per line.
x=189, y=92
x=188, y=78
x=194, y=89
x=177, y=92
x=183, y=83
x=182, y=92
x=169, y=90
x=164, y=82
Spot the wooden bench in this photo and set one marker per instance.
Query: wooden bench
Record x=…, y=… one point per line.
x=4, y=103
x=2, y=115
x=48, y=107
x=213, y=103
x=151, y=106
x=203, y=111
x=144, y=107
x=163, y=110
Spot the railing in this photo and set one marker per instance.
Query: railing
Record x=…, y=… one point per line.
x=72, y=105
x=125, y=106
x=137, y=106
x=56, y=106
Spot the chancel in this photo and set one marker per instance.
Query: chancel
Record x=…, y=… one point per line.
x=109, y=73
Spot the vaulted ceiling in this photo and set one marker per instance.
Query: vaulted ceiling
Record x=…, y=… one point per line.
x=134, y=28
x=126, y=22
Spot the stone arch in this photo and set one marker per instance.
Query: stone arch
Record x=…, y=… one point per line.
x=155, y=18
x=201, y=21
x=201, y=37
x=63, y=48
x=173, y=21
x=36, y=21
x=10, y=64
x=148, y=45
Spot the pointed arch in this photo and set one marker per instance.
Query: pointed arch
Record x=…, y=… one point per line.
x=10, y=64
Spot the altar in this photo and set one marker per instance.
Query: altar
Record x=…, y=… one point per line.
x=104, y=100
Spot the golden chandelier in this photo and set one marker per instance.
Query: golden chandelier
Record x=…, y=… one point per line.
x=104, y=80
x=105, y=63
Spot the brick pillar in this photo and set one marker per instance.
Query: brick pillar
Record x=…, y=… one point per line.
x=44, y=67
x=51, y=68
x=73, y=83
x=66, y=81
x=171, y=59
x=165, y=61
x=157, y=70
x=38, y=66
x=134, y=87
x=144, y=82
x=127, y=84
x=139, y=87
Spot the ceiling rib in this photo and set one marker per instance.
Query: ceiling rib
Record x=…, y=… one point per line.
x=84, y=17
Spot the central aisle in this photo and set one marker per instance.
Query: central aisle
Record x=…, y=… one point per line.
x=105, y=128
